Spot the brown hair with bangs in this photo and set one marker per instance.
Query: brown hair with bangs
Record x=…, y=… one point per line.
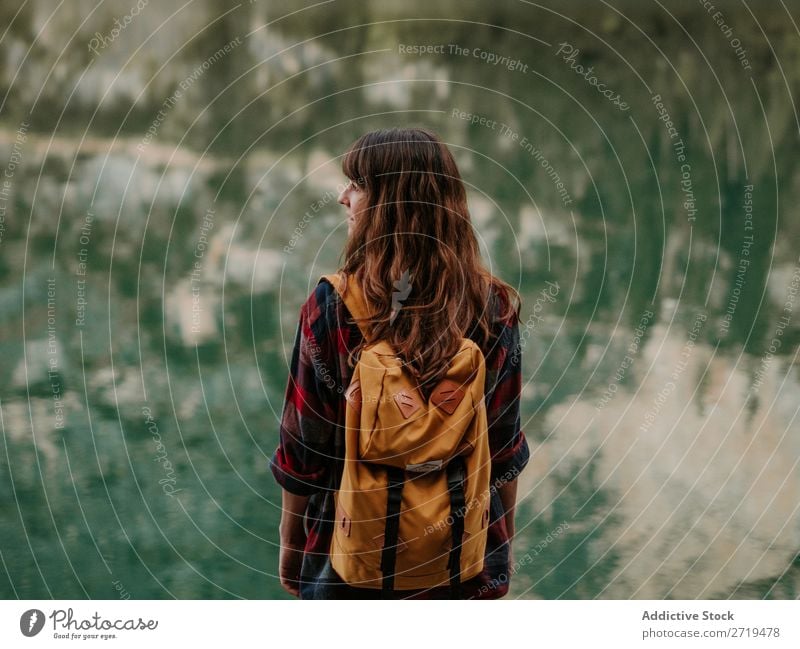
x=416, y=221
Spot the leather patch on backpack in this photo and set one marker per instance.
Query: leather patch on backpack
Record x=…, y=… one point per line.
x=407, y=403
x=353, y=395
x=343, y=521
x=447, y=395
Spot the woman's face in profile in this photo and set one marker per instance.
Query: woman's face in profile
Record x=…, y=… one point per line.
x=353, y=197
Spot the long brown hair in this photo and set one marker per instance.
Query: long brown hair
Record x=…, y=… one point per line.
x=413, y=248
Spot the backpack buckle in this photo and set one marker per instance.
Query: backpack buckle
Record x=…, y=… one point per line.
x=425, y=467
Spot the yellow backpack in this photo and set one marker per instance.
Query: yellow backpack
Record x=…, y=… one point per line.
x=412, y=509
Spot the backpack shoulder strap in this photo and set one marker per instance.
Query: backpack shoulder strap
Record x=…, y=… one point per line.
x=352, y=296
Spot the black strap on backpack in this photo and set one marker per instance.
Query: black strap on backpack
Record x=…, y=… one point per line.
x=455, y=485
x=395, y=492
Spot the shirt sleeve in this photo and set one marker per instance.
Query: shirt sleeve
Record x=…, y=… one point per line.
x=507, y=444
x=301, y=463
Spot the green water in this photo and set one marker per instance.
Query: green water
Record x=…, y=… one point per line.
x=152, y=265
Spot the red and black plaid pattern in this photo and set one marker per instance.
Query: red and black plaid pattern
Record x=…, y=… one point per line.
x=308, y=460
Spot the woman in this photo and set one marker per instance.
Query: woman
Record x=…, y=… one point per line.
x=412, y=250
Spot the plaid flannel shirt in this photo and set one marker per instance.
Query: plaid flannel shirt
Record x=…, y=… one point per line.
x=308, y=459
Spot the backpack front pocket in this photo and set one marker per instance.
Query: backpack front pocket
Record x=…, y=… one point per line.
x=399, y=428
